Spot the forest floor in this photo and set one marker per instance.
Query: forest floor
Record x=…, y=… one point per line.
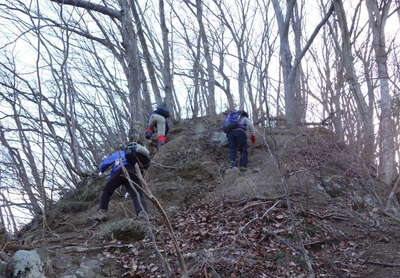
x=266, y=222
x=263, y=238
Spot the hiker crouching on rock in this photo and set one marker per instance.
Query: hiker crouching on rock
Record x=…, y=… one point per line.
x=134, y=153
x=158, y=120
x=235, y=125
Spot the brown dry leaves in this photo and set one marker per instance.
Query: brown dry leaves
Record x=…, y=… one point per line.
x=245, y=241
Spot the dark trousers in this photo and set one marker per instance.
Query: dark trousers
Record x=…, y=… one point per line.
x=116, y=181
x=237, y=141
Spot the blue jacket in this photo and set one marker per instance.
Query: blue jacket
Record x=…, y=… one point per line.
x=116, y=160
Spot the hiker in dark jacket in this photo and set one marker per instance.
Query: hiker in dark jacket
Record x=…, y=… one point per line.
x=134, y=153
x=158, y=121
x=237, y=139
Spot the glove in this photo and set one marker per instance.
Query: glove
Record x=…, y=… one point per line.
x=148, y=133
x=162, y=140
x=253, y=139
x=100, y=174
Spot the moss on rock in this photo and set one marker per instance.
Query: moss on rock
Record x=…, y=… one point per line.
x=127, y=230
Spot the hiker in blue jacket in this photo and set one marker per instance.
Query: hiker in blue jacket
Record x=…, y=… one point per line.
x=235, y=126
x=134, y=153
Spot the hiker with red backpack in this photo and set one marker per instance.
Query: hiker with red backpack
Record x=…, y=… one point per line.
x=235, y=125
x=158, y=121
x=133, y=153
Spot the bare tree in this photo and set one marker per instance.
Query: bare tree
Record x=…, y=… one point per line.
x=378, y=12
x=210, y=67
x=365, y=110
x=289, y=70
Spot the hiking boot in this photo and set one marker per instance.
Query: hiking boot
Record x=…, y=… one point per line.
x=148, y=134
x=232, y=170
x=101, y=215
x=141, y=215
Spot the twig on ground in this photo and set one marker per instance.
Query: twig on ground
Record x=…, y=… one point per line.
x=157, y=164
x=383, y=264
x=242, y=202
x=258, y=218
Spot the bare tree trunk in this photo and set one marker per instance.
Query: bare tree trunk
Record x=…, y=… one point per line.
x=378, y=14
x=227, y=86
x=146, y=54
x=132, y=59
x=298, y=37
x=286, y=60
x=196, y=73
x=211, y=109
x=21, y=172
x=290, y=71
x=166, y=69
x=147, y=107
x=348, y=62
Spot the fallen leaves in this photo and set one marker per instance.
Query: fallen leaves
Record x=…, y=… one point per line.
x=213, y=240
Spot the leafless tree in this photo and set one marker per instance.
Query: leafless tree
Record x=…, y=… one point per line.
x=378, y=12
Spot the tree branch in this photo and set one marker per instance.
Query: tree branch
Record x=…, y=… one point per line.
x=314, y=34
x=91, y=6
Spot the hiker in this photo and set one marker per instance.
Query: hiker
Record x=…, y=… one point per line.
x=133, y=153
x=158, y=120
x=235, y=125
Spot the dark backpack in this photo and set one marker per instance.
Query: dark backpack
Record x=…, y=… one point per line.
x=133, y=155
x=163, y=111
x=130, y=154
x=232, y=121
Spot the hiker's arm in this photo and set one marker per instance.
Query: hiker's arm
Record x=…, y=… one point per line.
x=107, y=163
x=250, y=126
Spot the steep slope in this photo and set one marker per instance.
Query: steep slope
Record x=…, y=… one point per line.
x=303, y=207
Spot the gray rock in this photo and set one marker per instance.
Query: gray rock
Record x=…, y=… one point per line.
x=218, y=139
x=91, y=264
x=27, y=264
x=89, y=269
x=3, y=269
x=333, y=185
x=86, y=273
x=127, y=230
x=200, y=130
x=172, y=211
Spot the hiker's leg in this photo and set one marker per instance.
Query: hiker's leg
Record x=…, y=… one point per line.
x=151, y=126
x=160, y=124
x=152, y=122
x=113, y=183
x=232, y=148
x=242, y=139
x=138, y=206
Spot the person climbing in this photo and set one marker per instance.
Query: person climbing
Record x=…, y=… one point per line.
x=158, y=120
x=133, y=153
x=235, y=125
